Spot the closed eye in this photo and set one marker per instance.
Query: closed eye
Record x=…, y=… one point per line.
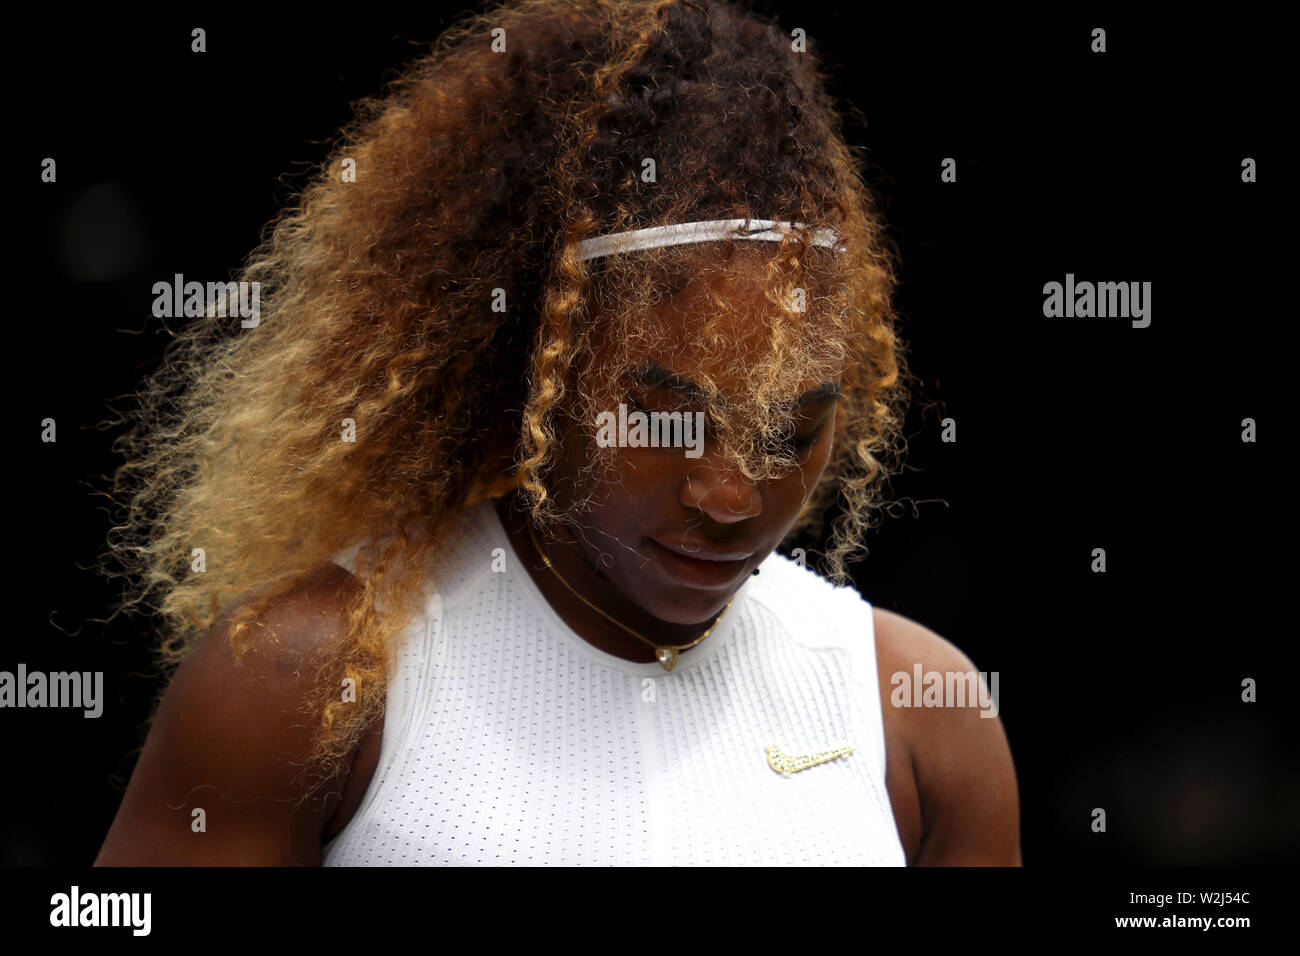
x=804, y=443
x=796, y=443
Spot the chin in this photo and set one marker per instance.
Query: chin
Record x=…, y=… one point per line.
x=683, y=605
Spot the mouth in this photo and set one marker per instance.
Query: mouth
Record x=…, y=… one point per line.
x=700, y=567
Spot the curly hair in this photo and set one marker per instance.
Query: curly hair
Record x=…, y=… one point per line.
x=436, y=303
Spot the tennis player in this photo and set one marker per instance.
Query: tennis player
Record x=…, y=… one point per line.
x=466, y=551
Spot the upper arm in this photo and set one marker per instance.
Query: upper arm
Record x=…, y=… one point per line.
x=965, y=778
x=229, y=738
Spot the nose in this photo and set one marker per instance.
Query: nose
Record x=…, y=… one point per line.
x=726, y=496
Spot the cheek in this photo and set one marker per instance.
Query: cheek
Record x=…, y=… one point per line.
x=821, y=455
x=639, y=479
x=815, y=465
x=618, y=482
x=575, y=454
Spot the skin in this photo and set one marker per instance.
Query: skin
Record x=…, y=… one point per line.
x=224, y=735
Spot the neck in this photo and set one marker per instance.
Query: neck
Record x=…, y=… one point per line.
x=570, y=561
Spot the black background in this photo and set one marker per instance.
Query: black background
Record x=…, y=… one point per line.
x=1118, y=690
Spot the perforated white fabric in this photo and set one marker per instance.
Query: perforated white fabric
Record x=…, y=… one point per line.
x=510, y=740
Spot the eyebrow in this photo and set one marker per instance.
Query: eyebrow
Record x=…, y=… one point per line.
x=653, y=375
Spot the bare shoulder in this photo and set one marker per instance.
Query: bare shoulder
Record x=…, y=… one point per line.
x=219, y=779
x=945, y=714
x=303, y=622
x=902, y=640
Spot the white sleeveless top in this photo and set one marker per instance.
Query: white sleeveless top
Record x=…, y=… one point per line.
x=510, y=740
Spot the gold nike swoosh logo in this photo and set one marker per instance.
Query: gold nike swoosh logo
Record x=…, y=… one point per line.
x=782, y=762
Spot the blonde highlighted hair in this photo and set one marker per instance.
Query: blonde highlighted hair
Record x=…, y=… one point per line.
x=477, y=174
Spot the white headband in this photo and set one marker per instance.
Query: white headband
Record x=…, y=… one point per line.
x=676, y=235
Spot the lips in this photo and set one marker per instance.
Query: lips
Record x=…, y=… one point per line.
x=701, y=552
x=707, y=569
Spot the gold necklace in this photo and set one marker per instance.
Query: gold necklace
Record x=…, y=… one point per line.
x=666, y=654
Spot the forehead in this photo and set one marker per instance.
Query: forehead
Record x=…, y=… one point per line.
x=721, y=329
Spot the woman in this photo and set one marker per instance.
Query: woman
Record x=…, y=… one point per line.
x=466, y=549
